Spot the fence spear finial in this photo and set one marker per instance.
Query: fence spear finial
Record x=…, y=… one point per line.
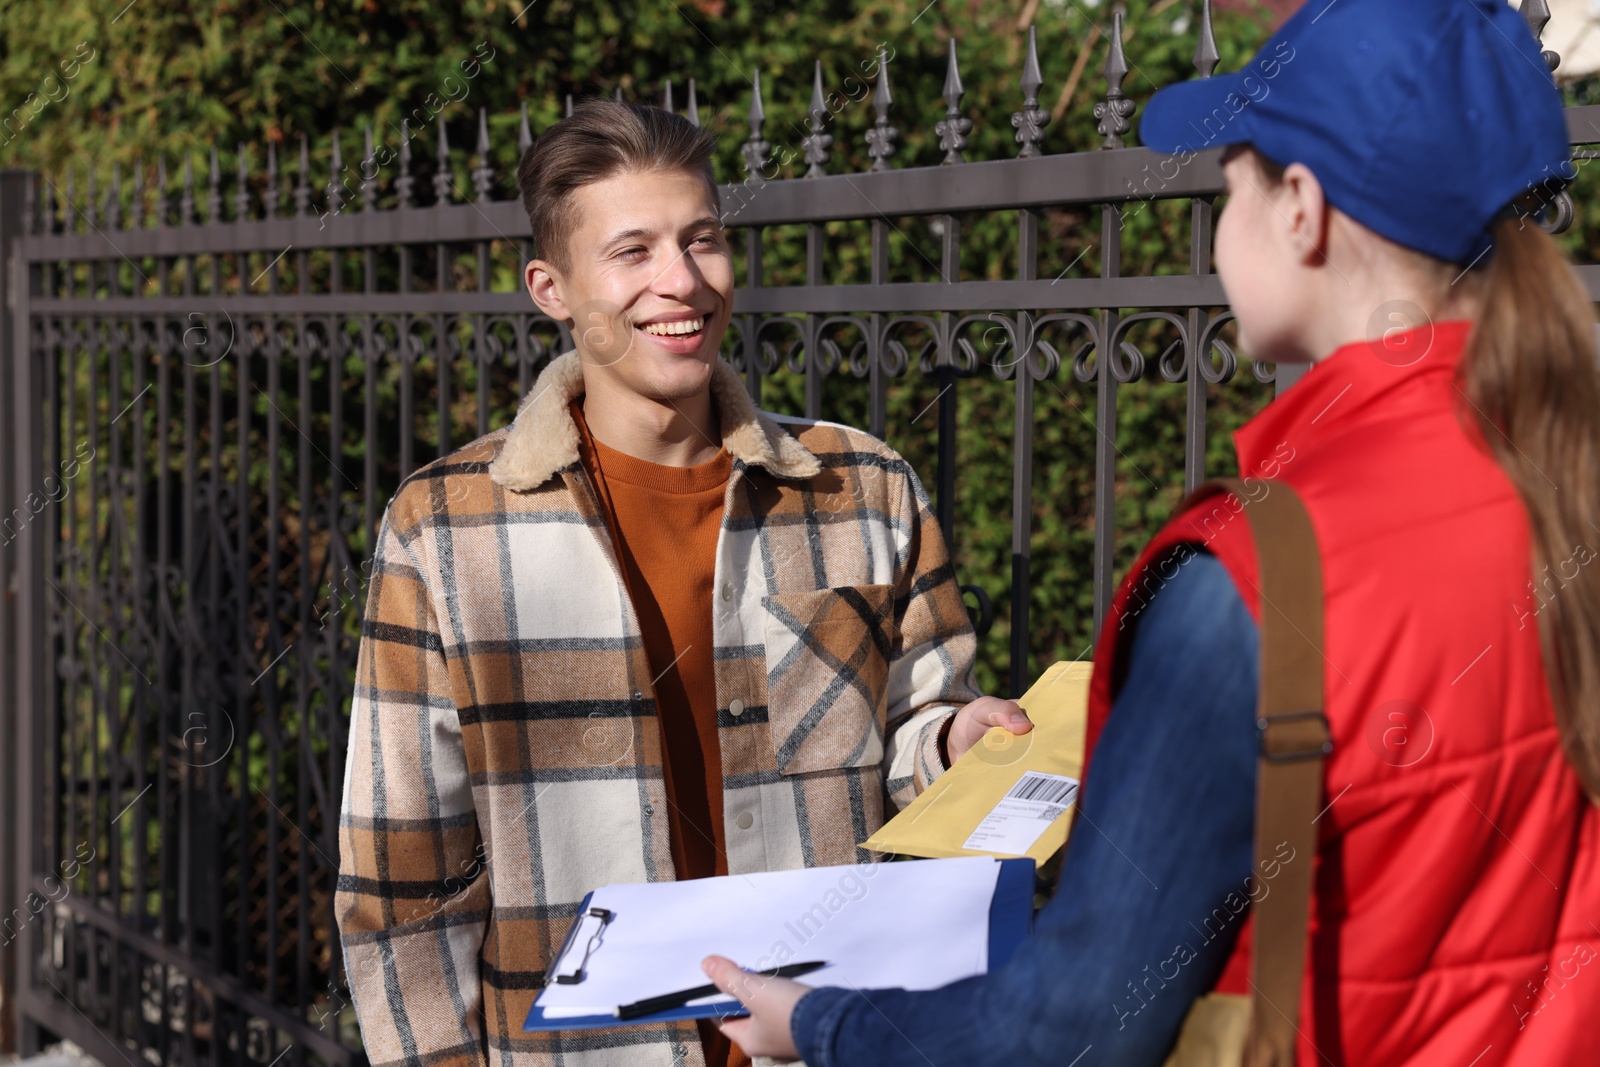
x=272, y=198
x=815, y=146
x=1032, y=119
x=336, y=189
x=569, y=105
x=1537, y=14
x=666, y=95
x=91, y=216
x=404, y=181
x=302, y=185
x=47, y=211
x=694, y=105
x=163, y=201
x=524, y=132
x=114, y=199
x=1114, y=111
x=1205, y=50
x=483, y=173
x=163, y=204
x=214, y=193
x=186, y=198
x=136, y=202
x=881, y=137
x=953, y=128
x=369, y=171
x=754, y=149
x=441, y=174
x=241, y=189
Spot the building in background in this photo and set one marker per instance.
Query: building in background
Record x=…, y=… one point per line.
x=1574, y=35
x=1573, y=32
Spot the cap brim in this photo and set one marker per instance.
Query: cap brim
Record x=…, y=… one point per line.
x=1196, y=115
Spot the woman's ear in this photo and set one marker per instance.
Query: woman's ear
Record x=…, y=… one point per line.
x=544, y=285
x=1306, y=211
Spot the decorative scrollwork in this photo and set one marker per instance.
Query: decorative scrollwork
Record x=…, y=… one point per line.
x=1134, y=369
x=999, y=337
x=834, y=356
x=1560, y=212
x=1212, y=342
x=982, y=616
x=894, y=355
x=860, y=359
x=770, y=357
x=1074, y=321
x=735, y=346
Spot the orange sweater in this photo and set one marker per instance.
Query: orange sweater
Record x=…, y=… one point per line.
x=669, y=518
x=664, y=522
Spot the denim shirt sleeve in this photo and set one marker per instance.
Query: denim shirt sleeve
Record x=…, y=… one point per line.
x=1152, y=889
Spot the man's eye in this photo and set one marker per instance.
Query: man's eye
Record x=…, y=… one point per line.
x=708, y=239
x=631, y=253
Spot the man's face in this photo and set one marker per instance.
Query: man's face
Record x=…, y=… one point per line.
x=649, y=284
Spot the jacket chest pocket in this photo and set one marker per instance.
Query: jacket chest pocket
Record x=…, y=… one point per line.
x=828, y=653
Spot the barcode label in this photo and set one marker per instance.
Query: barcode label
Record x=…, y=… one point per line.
x=1046, y=788
x=1024, y=814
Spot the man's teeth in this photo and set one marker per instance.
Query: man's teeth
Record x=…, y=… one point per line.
x=666, y=329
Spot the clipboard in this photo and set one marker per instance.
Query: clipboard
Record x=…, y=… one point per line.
x=1010, y=922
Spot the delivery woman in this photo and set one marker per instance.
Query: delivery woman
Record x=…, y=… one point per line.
x=1384, y=160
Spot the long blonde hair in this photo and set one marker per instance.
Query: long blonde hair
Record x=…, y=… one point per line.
x=1530, y=372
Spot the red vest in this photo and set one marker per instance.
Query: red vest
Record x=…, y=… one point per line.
x=1456, y=915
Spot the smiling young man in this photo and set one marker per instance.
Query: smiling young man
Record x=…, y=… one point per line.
x=646, y=632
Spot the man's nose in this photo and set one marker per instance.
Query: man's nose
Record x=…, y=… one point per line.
x=679, y=277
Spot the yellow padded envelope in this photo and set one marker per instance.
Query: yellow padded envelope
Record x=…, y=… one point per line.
x=1009, y=794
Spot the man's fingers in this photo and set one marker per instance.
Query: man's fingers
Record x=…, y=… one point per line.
x=1017, y=723
x=977, y=718
x=1010, y=715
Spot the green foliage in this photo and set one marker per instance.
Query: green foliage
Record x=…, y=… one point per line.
x=164, y=78
x=161, y=79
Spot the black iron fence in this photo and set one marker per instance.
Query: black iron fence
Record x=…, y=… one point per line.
x=207, y=418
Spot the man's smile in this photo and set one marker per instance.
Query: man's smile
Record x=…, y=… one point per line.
x=680, y=333
x=676, y=327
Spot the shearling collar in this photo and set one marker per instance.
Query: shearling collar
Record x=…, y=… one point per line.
x=544, y=439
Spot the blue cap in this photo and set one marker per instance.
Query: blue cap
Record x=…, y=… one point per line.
x=1422, y=119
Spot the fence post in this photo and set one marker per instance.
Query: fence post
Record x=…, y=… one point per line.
x=16, y=189
x=1286, y=374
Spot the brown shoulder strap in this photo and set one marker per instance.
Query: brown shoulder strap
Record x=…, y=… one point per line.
x=1294, y=739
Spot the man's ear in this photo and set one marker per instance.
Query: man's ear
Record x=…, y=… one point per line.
x=1306, y=210
x=544, y=285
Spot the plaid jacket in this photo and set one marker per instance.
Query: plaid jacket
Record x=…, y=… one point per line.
x=504, y=752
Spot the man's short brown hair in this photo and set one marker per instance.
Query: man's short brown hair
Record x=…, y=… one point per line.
x=600, y=139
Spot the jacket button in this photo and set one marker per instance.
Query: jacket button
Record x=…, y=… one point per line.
x=727, y=590
x=736, y=708
x=649, y=809
x=744, y=820
x=637, y=695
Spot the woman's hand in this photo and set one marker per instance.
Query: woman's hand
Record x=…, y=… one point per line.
x=771, y=1001
x=974, y=720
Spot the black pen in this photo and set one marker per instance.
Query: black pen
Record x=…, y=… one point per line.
x=668, y=1001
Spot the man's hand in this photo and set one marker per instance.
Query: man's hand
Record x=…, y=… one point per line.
x=771, y=1001
x=974, y=720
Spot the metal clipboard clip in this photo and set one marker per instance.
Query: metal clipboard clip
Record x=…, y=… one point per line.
x=605, y=916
